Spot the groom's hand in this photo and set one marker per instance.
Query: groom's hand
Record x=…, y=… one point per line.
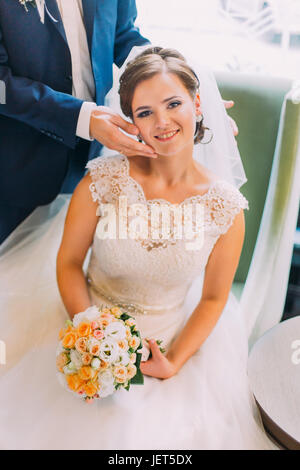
x=105, y=127
x=234, y=127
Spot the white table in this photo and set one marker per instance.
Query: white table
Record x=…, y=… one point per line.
x=274, y=374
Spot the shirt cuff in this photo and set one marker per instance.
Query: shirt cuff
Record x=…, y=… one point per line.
x=83, y=123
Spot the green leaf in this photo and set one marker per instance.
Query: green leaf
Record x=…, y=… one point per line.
x=125, y=316
x=68, y=323
x=138, y=360
x=138, y=379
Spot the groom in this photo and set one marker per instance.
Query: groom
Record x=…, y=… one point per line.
x=56, y=74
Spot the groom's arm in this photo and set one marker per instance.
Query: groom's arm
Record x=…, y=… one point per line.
x=127, y=34
x=50, y=112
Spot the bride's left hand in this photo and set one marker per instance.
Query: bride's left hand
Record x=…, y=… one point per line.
x=159, y=365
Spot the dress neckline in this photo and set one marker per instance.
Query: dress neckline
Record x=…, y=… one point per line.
x=141, y=191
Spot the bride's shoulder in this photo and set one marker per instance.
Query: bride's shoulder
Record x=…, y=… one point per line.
x=107, y=176
x=111, y=165
x=228, y=195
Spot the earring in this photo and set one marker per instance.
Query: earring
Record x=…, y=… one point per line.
x=199, y=118
x=140, y=138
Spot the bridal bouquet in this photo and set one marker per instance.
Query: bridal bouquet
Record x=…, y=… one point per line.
x=99, y=352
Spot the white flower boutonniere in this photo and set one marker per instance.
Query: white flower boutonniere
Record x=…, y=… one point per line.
x=25, y=3
x=40, y=5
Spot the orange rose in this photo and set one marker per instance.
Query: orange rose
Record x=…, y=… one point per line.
x=87, y=373
x=103, y=366
x=69, y=340
x=94, y=349
x=90, y=389
x=121, y=380
x=84, y=329
x=103, y=322
x=63, y=331
x=81, y=345
x=116, y=311
x=86, y=358
x=74, y=382
x=61, y=361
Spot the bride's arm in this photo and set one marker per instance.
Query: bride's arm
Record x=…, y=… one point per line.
x=80, y=225
x=219, y=275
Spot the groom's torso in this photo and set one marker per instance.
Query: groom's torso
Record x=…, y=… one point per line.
x=40, y=52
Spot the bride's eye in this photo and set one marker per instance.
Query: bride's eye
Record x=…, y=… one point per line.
x=174, y=104
x=144, y=114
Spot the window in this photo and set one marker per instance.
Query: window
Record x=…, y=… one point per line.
x=251, y=36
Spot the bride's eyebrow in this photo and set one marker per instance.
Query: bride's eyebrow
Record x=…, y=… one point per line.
x=164, y=101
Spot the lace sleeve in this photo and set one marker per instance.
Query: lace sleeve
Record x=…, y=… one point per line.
x=104, y=172
x=225, y=203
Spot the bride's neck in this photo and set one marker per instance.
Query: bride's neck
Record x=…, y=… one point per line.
x=171, y=170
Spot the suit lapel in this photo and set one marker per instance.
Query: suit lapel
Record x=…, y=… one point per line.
x=89, y=9
x=54, y=12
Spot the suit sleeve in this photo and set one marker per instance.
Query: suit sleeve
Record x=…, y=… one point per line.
x=50, y=112
x=127, y=34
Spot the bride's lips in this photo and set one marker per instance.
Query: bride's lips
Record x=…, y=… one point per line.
x=166, y=136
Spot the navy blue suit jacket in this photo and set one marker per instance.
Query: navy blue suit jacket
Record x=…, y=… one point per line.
x=38, y=121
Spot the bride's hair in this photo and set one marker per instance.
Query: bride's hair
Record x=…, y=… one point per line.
x=152, y=61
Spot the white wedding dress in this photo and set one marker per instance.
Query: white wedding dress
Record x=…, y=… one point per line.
x=206, y=405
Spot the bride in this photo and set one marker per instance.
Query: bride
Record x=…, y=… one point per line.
x=177, y=286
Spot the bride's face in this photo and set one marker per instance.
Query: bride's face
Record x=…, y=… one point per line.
x=165, y=113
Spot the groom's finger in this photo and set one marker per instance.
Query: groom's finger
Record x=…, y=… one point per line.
x=105, y=127
x=228, y=103
x=125, y=125
x=131, y=147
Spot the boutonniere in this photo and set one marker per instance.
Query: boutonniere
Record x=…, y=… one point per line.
x=41, y=7
x=24, y=3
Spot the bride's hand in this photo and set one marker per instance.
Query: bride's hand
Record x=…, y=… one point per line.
x=159, y=365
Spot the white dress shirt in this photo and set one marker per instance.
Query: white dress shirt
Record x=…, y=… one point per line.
x=83, y=80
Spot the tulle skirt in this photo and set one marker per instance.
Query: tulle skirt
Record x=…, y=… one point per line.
x=206, y=405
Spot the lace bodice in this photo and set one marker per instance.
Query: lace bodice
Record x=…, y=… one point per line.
x=142, y=257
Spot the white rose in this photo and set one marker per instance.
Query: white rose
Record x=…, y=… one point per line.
x=133, y=358
x=96, y=363
x=106, y=377
x=109, y=350
x=120, y=372
x=131, y=371
x=76, y=358
x=69, y=369
x=106, y=382
x=91, y=343
x=106, y=390
x=115, y=330
x=90, y=314
x=123, y=358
